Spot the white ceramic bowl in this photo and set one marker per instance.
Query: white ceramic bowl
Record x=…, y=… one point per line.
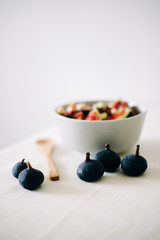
x=91, y=136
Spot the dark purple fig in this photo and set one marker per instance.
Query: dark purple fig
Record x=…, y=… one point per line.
x=90, y=170
x=19, y=167
x=134, y=164
x=110, y=159
x=30, y=178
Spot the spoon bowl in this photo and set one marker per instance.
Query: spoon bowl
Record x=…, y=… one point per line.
x=47, y=146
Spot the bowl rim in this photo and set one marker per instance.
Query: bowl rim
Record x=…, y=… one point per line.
x=141, y=107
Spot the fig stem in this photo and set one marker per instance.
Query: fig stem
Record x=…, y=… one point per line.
x=137, y=150
x=22, y=160
x=29, y=165
x=107, y=146
x=87, y=156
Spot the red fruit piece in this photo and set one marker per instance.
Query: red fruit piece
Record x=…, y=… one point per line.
x=124, y=104
x=78, y=115
x=118, y=115
x=117, y=104
x=92, y=116
x=71, y=108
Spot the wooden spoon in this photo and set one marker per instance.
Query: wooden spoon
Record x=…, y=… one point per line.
x=47, y=146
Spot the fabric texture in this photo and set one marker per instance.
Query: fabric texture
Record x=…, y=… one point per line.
x=115, y=207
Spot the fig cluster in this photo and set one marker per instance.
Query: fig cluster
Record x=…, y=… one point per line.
x=28, y=177
x=107, y=160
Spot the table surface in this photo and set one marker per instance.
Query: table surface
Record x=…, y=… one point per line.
x=115, y=207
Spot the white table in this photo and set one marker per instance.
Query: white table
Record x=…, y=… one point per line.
x=116, y=207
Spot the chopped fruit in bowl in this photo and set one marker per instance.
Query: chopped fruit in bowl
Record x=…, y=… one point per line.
x=97, y=111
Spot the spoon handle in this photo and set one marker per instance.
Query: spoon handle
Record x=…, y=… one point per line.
x=53, y=172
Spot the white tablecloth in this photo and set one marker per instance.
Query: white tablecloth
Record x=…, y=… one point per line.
x=116, y=207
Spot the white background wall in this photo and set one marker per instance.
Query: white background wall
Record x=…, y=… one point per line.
x=54, y=51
